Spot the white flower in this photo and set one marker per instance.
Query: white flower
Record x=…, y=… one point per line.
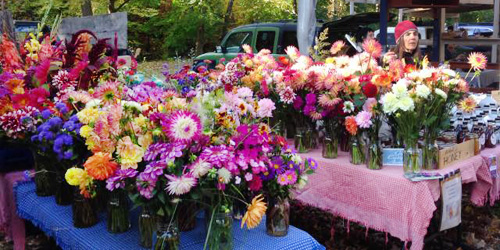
x=406, y=104
x=132, y=104
x=244, y=92
x=224, y=175
x=400, y=89
x=426, y=73
x=265, y=108
x=450, y=72
x=180, y=185
x=389, y=103
x=296, y=159
x=200, y=168
x=441, y=93
x=348, y=107
x=302, y=182
x=93, y=103
x=423, y=91
x=237, y=180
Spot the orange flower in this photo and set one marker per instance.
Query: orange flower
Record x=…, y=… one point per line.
x=100, y=166
x=351, y=125
x=255, y=212
x=477, y=60
x=16, y=85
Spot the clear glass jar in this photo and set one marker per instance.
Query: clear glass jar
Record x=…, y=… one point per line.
x=277, y=216
x=412, y=161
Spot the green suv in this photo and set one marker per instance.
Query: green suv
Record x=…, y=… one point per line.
x=276, y=37
x=272, y=36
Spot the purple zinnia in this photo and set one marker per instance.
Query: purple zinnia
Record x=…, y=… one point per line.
x=117, y=180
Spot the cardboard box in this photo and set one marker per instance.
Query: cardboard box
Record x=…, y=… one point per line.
x=452, y=155
x=495, y=94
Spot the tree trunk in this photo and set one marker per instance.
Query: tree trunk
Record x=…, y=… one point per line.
x=111, y=6
x=295, y=8
x=227, y=17
x=165, y=7
x=200, y=39
x=87, y=8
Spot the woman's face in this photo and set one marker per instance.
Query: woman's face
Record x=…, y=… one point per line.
x=410, y=39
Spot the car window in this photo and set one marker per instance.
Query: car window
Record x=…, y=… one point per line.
x=390, y=38
x=265, y=40
x=289, y=39
x=235, y=40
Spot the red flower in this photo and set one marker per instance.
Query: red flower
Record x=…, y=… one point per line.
x=283, y=60
x=370, y=90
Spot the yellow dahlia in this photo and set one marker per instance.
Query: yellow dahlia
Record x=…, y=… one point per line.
x=477, y=60
x=255, y=212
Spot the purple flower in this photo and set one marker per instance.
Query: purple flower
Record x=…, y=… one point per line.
x=55, y=121
x=313, y=164
x=146, y=185
x=174, y=151
x=69, y=125
x=46, y=114
x=310, y=99
x=49, y=136
x=62, y=107
x=267, y=175
x=277, y=165
x=68, y=154
x=218, y=156
x=74, y=118
x=155, y=169
x=117, y=181
x=292, y=166
x=297, y=103
x=308, y=109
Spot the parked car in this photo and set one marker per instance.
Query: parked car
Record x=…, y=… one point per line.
x=278, y=36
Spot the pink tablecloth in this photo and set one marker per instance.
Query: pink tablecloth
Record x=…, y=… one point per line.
x=494, y=192
x=383, y=199
x=10, y=223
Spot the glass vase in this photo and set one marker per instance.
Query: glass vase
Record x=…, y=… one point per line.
x=118, y=212
x=64, y=192
x=167, y=235
x=344, y=140
x=277, y=216
x=301, y=140
x=146, y=226
x=356, y=152
x=412, y=161
x=220, y=231
x=330, y=147
x=186, y=215
x=430, y=154
x=44, y=176
x=84, y=211
x=374, y=151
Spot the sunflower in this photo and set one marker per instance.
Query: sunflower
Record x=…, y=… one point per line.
x=255, y=212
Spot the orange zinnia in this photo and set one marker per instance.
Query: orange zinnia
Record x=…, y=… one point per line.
x=100, y=166
x=351, y=125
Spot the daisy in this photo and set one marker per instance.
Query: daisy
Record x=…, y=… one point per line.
x=477, y=60
x=180, y=185
x=182, y=126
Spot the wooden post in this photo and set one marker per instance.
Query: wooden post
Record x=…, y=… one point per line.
x=351, y=8
x=400, y=15
x=384, y=10
x=441, y=31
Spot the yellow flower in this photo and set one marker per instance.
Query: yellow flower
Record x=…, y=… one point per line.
x=330, y=60
x=74, y=176
x=254, y=213
x=141, y=121
x=145, y=140
x=88, y=115
x=85, y=131
x=130, y=153
x=477, y=60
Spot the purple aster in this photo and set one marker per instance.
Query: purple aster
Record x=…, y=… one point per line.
x=117, y=180
x=313, y=164
x=291, y=165
x=218, y=156
x=277, y=165
x=267, y=175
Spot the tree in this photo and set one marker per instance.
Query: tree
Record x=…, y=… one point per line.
x=87, y=8
x=227, y=16
x=112, y=5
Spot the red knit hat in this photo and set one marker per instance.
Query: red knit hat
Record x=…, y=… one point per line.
x=402, y=28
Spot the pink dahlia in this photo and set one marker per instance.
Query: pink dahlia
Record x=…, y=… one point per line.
x=182, y=126
x=363, y=119
x=265, y=108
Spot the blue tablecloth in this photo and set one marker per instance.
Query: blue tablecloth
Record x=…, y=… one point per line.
x=56, y=221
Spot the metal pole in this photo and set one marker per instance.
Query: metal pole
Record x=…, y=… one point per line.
x=384, y=10
x=496, y=23
x=351, y=8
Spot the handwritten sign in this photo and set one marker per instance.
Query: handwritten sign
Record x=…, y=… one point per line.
x=495, y=94
x=451, y=198
x=492, y=163
x=451, y=155
x=392, y=157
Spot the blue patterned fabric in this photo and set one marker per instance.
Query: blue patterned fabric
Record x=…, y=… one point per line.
x=56, y=221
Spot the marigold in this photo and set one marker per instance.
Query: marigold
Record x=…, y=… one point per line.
x=255, y=212
x=351, y=125
x=100, y=166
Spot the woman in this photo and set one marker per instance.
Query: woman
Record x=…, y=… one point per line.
x=407, y=41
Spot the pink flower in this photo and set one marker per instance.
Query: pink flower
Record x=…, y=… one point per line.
x=369, y=104
x=248, y=176
x=255, y=184
x=363, y=119
x=182, y=126
x=282, y=179
x=180, y=185
x=292, y=52
x=373, y=48
x=337, y=46
x=291, y=177
x=265, y=108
